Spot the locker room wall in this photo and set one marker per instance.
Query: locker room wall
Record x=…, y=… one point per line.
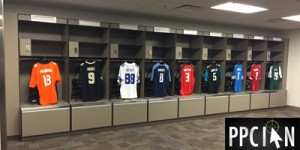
x=11, y=43
x=293, y=70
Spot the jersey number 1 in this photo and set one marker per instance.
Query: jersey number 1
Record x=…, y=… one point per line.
x=47, y=80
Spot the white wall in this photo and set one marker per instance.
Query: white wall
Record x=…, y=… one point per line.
x=293, y=70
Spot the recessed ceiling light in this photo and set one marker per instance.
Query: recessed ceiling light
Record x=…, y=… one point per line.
x=293, y=18
x=237, y=7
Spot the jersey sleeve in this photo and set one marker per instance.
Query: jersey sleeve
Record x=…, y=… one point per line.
x=169, y=73
x=119, y=80
x=234, y=73
x=206, y=75
x=280, y=73
x=33, y=77
x=251, y=73
x=138, y=79
x=242, y=73
x=270, y=72
x=152, y=72
x=220, y=72
x=57, y=74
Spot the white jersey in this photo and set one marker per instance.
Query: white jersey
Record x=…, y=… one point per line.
x=128, y=78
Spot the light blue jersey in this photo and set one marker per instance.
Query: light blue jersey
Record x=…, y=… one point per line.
x=237, y=76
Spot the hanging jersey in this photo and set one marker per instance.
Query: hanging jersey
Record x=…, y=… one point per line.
x=274, y=75
x=162, y=77
x=237, y=76
x=255, y=76
x=213, y=75
x=91, y=81
x=128, y=78
x=187, y=80
x=45, y=77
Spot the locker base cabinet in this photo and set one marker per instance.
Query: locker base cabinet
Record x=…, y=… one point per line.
x=88, y=115
x=41, y=120
x=191, y=106
x=129, y=111
x=216, y=104
x=239, y=102
x=278, y=98
x=259, y=100
x=163, y=108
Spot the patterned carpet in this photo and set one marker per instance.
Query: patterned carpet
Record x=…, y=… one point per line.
x=201, y=133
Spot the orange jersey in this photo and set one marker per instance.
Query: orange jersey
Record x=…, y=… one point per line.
x=44, y=76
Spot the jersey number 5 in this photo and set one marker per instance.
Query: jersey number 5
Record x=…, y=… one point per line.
x=215, y=76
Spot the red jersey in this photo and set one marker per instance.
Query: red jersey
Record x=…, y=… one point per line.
x=187, y=80
x=45, y=76
x=255, y=76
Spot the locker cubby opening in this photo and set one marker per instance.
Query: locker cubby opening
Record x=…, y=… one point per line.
x=42, y=31
x=114, y=87
x=229, y=83
x=258, y=55
x=48, y=48
x=267, y=79
x=94, y=50
x=130, y=51
x=191, y=53
x=276, y=46
x=25, y=69
x=74, y=66
x=197, y=74
x=216, y=54
x=237, y=44
x=189, y=41
x=87, y=34
x=127, y=37
x=204, y=65
x=214, y=42
x=238, y=55
x=163, y=52
x=276, y=56
x=148, y=84
x=160, y=39
x=257, y=45
x=248, y=81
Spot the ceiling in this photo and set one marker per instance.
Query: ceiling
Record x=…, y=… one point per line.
x=169, y=9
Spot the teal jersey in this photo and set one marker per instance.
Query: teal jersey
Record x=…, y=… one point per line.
x=274, y=75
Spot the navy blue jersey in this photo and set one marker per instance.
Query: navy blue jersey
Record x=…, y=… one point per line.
x=162, y=77
x=237, y=76
x=90, y=78
x=213, y=75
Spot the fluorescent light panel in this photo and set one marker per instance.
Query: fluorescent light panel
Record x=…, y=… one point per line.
x=237, y=7
x=292, y=18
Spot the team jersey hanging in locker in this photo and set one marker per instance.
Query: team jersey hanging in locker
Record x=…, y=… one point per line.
x=275, y=75
x=91, y=81
x=128, y=77
x=237, y=76
x=187, y=80
x=213, y=75
x=45, y=77
x=255, y=76
x=162, y=77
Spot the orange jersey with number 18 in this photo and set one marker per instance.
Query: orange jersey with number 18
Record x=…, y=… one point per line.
x=45, y=76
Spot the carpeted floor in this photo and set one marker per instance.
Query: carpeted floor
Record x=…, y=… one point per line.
x=201, y=133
